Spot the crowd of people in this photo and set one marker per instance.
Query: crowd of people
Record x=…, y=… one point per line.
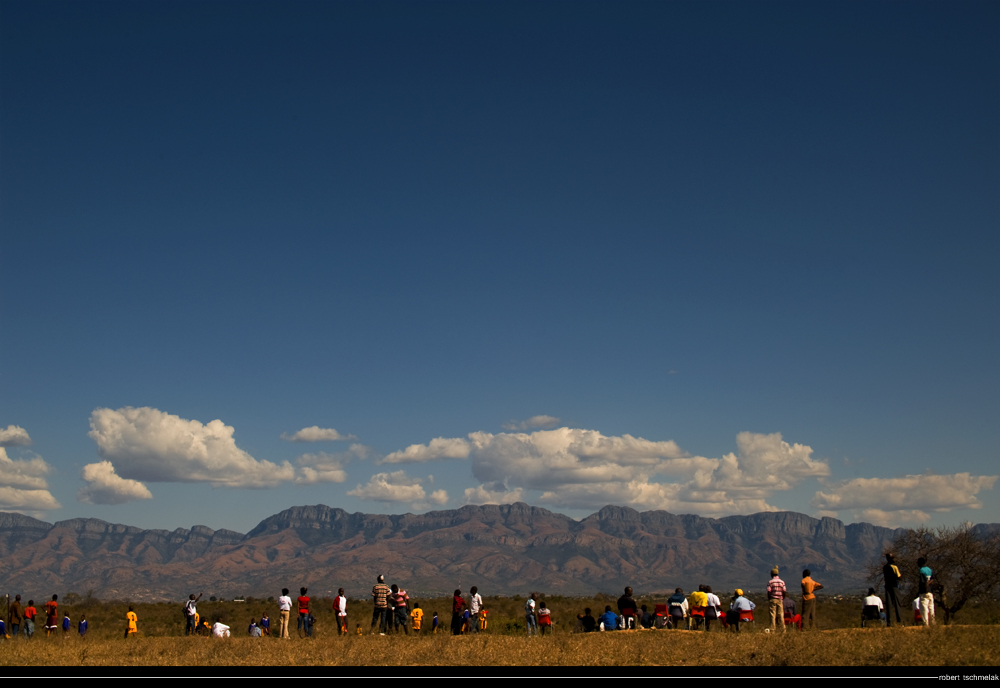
x=394, y=613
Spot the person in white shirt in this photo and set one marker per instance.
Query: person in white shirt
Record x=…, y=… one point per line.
x=219, y=629
x=875, y=601
x=284, y=609
x=475, y=606
x=340, y=609
x=713, y=608
x=530, y=620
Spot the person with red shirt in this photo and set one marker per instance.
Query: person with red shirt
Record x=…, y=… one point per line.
x=51, y=615
x=303, y=602
x=29, y=618
x=457, y=604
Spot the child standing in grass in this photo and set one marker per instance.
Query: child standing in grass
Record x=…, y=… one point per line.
x=82, y=626
x=131, y=622
x=265, y=624
x=544, y=617
x=417, y=615
x=434, y=623
x=66, y=624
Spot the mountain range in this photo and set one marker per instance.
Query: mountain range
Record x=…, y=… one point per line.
x=503, y=549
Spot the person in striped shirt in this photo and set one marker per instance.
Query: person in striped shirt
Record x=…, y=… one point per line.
x=776, y=591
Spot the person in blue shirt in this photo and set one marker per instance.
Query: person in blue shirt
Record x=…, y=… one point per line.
x=609, y=619
x=924, y=592
x=82, y=626
x=66, y=623
x=740, y=604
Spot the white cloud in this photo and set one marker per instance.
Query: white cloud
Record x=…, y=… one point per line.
x=438, y=448
x=35, y=501
x=23, y=485
x=104, y=486
x=399, y=487
x=14, y=436
x=23, y=473
x=533, y=423
x=149, y=445
x=906, y=499
x=316, y=434
x=577, y=468
x=893, y=519
x=492, y=494
x=327, y=468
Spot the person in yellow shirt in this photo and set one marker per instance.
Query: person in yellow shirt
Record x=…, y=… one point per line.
x=133, y=622
x=698, y=602
x=417, y=615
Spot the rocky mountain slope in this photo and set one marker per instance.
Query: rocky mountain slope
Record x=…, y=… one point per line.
x=506, y=549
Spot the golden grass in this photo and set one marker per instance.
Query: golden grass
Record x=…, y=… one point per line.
x=955, y=645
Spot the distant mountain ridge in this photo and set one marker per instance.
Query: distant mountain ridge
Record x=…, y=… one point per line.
x=504, y=549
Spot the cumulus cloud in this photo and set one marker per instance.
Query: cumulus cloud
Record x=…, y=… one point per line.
x=438, y=448
x=316, y=434
x=399, y=487
x=578, y=468
x=14, y=436
x=23, y=485
x=533, y=423
x=104, y=486
x=492, y=494
x=149, y=445
x=905, y=500
x=322, y=467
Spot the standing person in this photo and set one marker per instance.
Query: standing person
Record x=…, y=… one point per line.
x=380, y=594
x=284, y=611
x=29, y=618
x=924, y=592
x=890, y=574
x=457, y=605
x=67, y=624
x=340, y=609
x=475, y=606
x=418, y=616
x=530, y=618
x=15, y=616
x=131, y=622
x=303, y=606
x=776, y=591
x=51, y=615
x=190, y=611
x=400, y=612
x=544, y=617
x=265, y=624
x=82, y=626
x=809, y=588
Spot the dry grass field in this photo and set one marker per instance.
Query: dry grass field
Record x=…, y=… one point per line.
x=956, y=645
x=839, y=642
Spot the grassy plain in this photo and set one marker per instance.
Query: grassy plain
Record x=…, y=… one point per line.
x=839, y=642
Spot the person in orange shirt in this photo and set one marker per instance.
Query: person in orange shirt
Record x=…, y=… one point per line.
x=29, y=618
x=132, y=622
x=809, y=587
x=417, y=615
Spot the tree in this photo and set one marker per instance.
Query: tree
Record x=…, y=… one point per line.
x=965, y=561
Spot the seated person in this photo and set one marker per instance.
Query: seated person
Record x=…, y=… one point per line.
x=742, y=607
x=645, y=618
x=219, y=629
x=678, y=605
x=627, y=607
x=608, y=620
x=871, y=608
x=588, y=621
x=788, y=611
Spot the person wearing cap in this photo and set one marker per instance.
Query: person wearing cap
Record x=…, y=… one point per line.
x=776, y=591
x=380, y=593
x=742, y=607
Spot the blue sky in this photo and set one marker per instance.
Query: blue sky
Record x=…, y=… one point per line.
x=706, y=257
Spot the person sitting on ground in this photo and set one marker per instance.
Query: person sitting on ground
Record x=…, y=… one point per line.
x=608, y=620
x=871, y=608
x=678, y=606
x=254, y=630
x=588, y=621
x=219, y=629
